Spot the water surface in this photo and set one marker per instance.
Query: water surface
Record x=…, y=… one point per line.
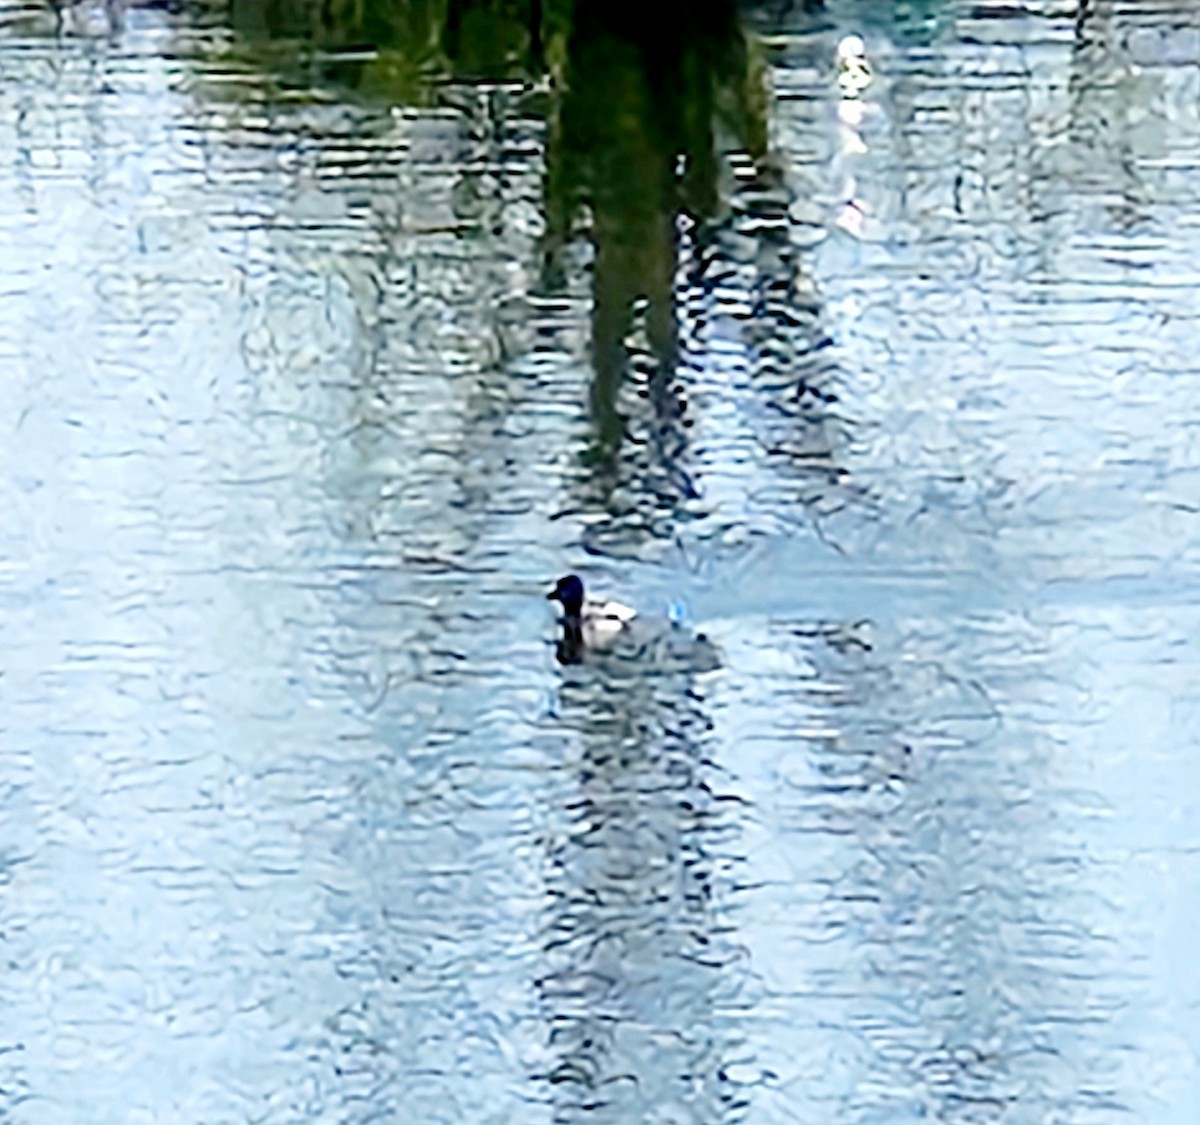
x=867, y=346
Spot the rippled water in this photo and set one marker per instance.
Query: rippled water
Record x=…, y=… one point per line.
x=311, y=385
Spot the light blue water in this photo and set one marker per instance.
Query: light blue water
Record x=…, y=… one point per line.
x=301, y=819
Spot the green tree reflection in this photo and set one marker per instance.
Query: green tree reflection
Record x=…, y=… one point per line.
x=641, y=102
x=637, y=132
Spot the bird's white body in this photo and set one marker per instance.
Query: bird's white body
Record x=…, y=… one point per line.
x=602, y=620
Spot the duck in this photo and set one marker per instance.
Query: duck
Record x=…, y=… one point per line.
x=591, y=621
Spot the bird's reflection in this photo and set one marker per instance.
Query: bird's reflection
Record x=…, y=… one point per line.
x=636, y=966
x=569, y=648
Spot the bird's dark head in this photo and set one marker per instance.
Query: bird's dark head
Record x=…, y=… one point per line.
x=569, y=592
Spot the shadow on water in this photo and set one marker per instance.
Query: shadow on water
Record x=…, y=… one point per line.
x=656, y=140
x=637, y=973
x=637, y=986
x=657, y=162
x=636, y=141
x=400, y=50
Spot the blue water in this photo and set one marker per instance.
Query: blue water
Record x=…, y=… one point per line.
x=301, y=818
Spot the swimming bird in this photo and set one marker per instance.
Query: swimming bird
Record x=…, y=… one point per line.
x=591, y=621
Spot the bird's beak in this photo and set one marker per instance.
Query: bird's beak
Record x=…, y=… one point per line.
x=552, y=596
